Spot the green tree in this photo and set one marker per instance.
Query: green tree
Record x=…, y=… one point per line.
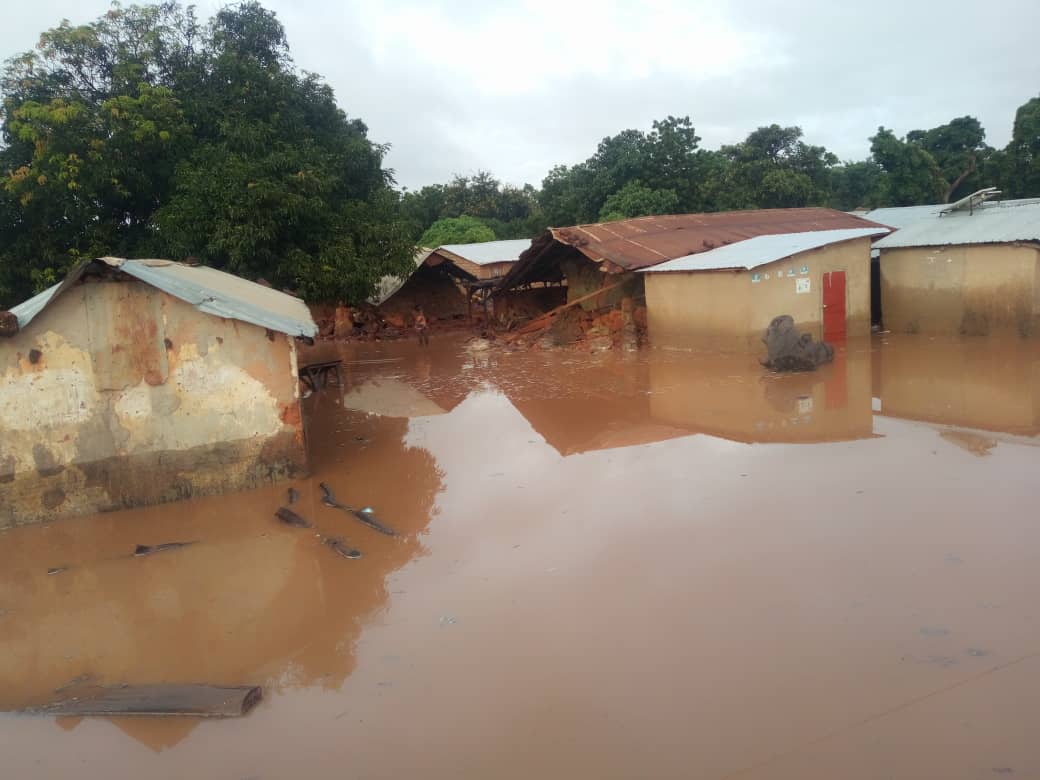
x=1023, y=152
x=773, y=168
x=912, y=176
x=635, y=200
x=146, y=133
x=960, y=151
x=856, y=185
x=456, y=230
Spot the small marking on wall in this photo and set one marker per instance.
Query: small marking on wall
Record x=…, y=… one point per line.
x=790, y=272
x=803, y=270
x=802, y=286
x=756, y=278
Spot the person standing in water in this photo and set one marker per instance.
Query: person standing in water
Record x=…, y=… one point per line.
x=421, y=327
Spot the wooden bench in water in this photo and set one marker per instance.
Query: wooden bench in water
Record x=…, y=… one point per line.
x=164, y=701
x=316, y=375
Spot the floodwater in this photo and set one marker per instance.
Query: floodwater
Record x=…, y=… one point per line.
x=624, y=566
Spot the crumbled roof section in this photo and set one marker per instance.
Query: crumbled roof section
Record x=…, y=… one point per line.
x=760, y=250
x=488, y=252
x=992, y=223
x=207, y=289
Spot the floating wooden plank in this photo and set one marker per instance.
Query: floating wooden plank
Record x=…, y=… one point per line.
x=157, y=701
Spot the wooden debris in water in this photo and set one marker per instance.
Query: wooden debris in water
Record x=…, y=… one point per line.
x=166, y=700
x=144, y=549
x=289, y=517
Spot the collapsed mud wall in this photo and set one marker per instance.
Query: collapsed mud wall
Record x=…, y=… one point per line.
x=439, y=295
x=961, y=290
x=119, y=395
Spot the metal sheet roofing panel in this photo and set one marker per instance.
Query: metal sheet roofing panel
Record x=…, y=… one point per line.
x=760, y=250
x=209, y=290
x=994, y=223
x=487, y=252
x=631, y=244
x=637, y=243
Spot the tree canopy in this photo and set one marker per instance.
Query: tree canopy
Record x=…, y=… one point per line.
x=146, y=132
x=149, y=132
x=456, y=230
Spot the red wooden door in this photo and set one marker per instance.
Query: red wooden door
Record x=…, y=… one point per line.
x=834, y=306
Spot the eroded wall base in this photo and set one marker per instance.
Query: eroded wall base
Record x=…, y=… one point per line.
x=148, y=478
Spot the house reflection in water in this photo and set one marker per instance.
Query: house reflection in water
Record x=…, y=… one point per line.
x=990, y=384
x=252, y=602
x=732, y=397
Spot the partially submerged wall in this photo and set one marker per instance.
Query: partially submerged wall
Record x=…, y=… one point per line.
x=730, y=310
x=971, y=290
x=119, y=395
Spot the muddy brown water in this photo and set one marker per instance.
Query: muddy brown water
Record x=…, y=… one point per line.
x=624, y=566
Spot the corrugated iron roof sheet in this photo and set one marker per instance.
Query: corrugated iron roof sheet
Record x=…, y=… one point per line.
x=631, y=244
x=993, y=223
x=904, y=216
x=487, y=252
x=760, y=250
x=207, y=289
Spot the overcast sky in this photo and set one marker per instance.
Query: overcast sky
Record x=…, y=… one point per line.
x=518, y=86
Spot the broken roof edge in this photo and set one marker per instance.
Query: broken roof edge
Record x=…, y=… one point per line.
x=294, y=318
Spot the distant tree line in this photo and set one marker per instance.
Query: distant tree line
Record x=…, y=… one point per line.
x=666, y=171
x=150, y=133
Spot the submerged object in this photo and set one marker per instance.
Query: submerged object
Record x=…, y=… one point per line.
x=289, y=517
x=340, y=547
x=166, y=700
x=364, y=515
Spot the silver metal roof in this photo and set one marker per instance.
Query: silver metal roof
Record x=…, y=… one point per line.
x=993, y=223
x=904, y=216
x=207, y=289
x=760, y=250
x=488, y=252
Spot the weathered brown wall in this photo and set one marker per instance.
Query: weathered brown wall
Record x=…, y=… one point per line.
x=728, y=310
x=584, y=277
x=518, y=304
x=969, y=289
x=137, y=398
x=440, y=297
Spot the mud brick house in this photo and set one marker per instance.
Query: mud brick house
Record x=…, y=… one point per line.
x=724, y=298
x=970, y=268
x=144, y=381
x=607, y=256
x=449, y=279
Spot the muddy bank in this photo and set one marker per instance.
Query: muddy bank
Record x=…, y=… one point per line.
x=655, y=564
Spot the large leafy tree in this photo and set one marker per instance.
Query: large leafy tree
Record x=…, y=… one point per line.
x=959, y=149
x=145, y=132
x=456, y=230
x=912, y=176
x=1022, y=157
x=510, y=212
x=635, y=200
x=773, y=168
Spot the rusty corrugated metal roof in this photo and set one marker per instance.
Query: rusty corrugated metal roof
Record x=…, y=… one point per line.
x=631, y=244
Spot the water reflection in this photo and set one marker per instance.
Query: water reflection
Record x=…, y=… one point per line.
x=252, y=602
x=988, y=384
